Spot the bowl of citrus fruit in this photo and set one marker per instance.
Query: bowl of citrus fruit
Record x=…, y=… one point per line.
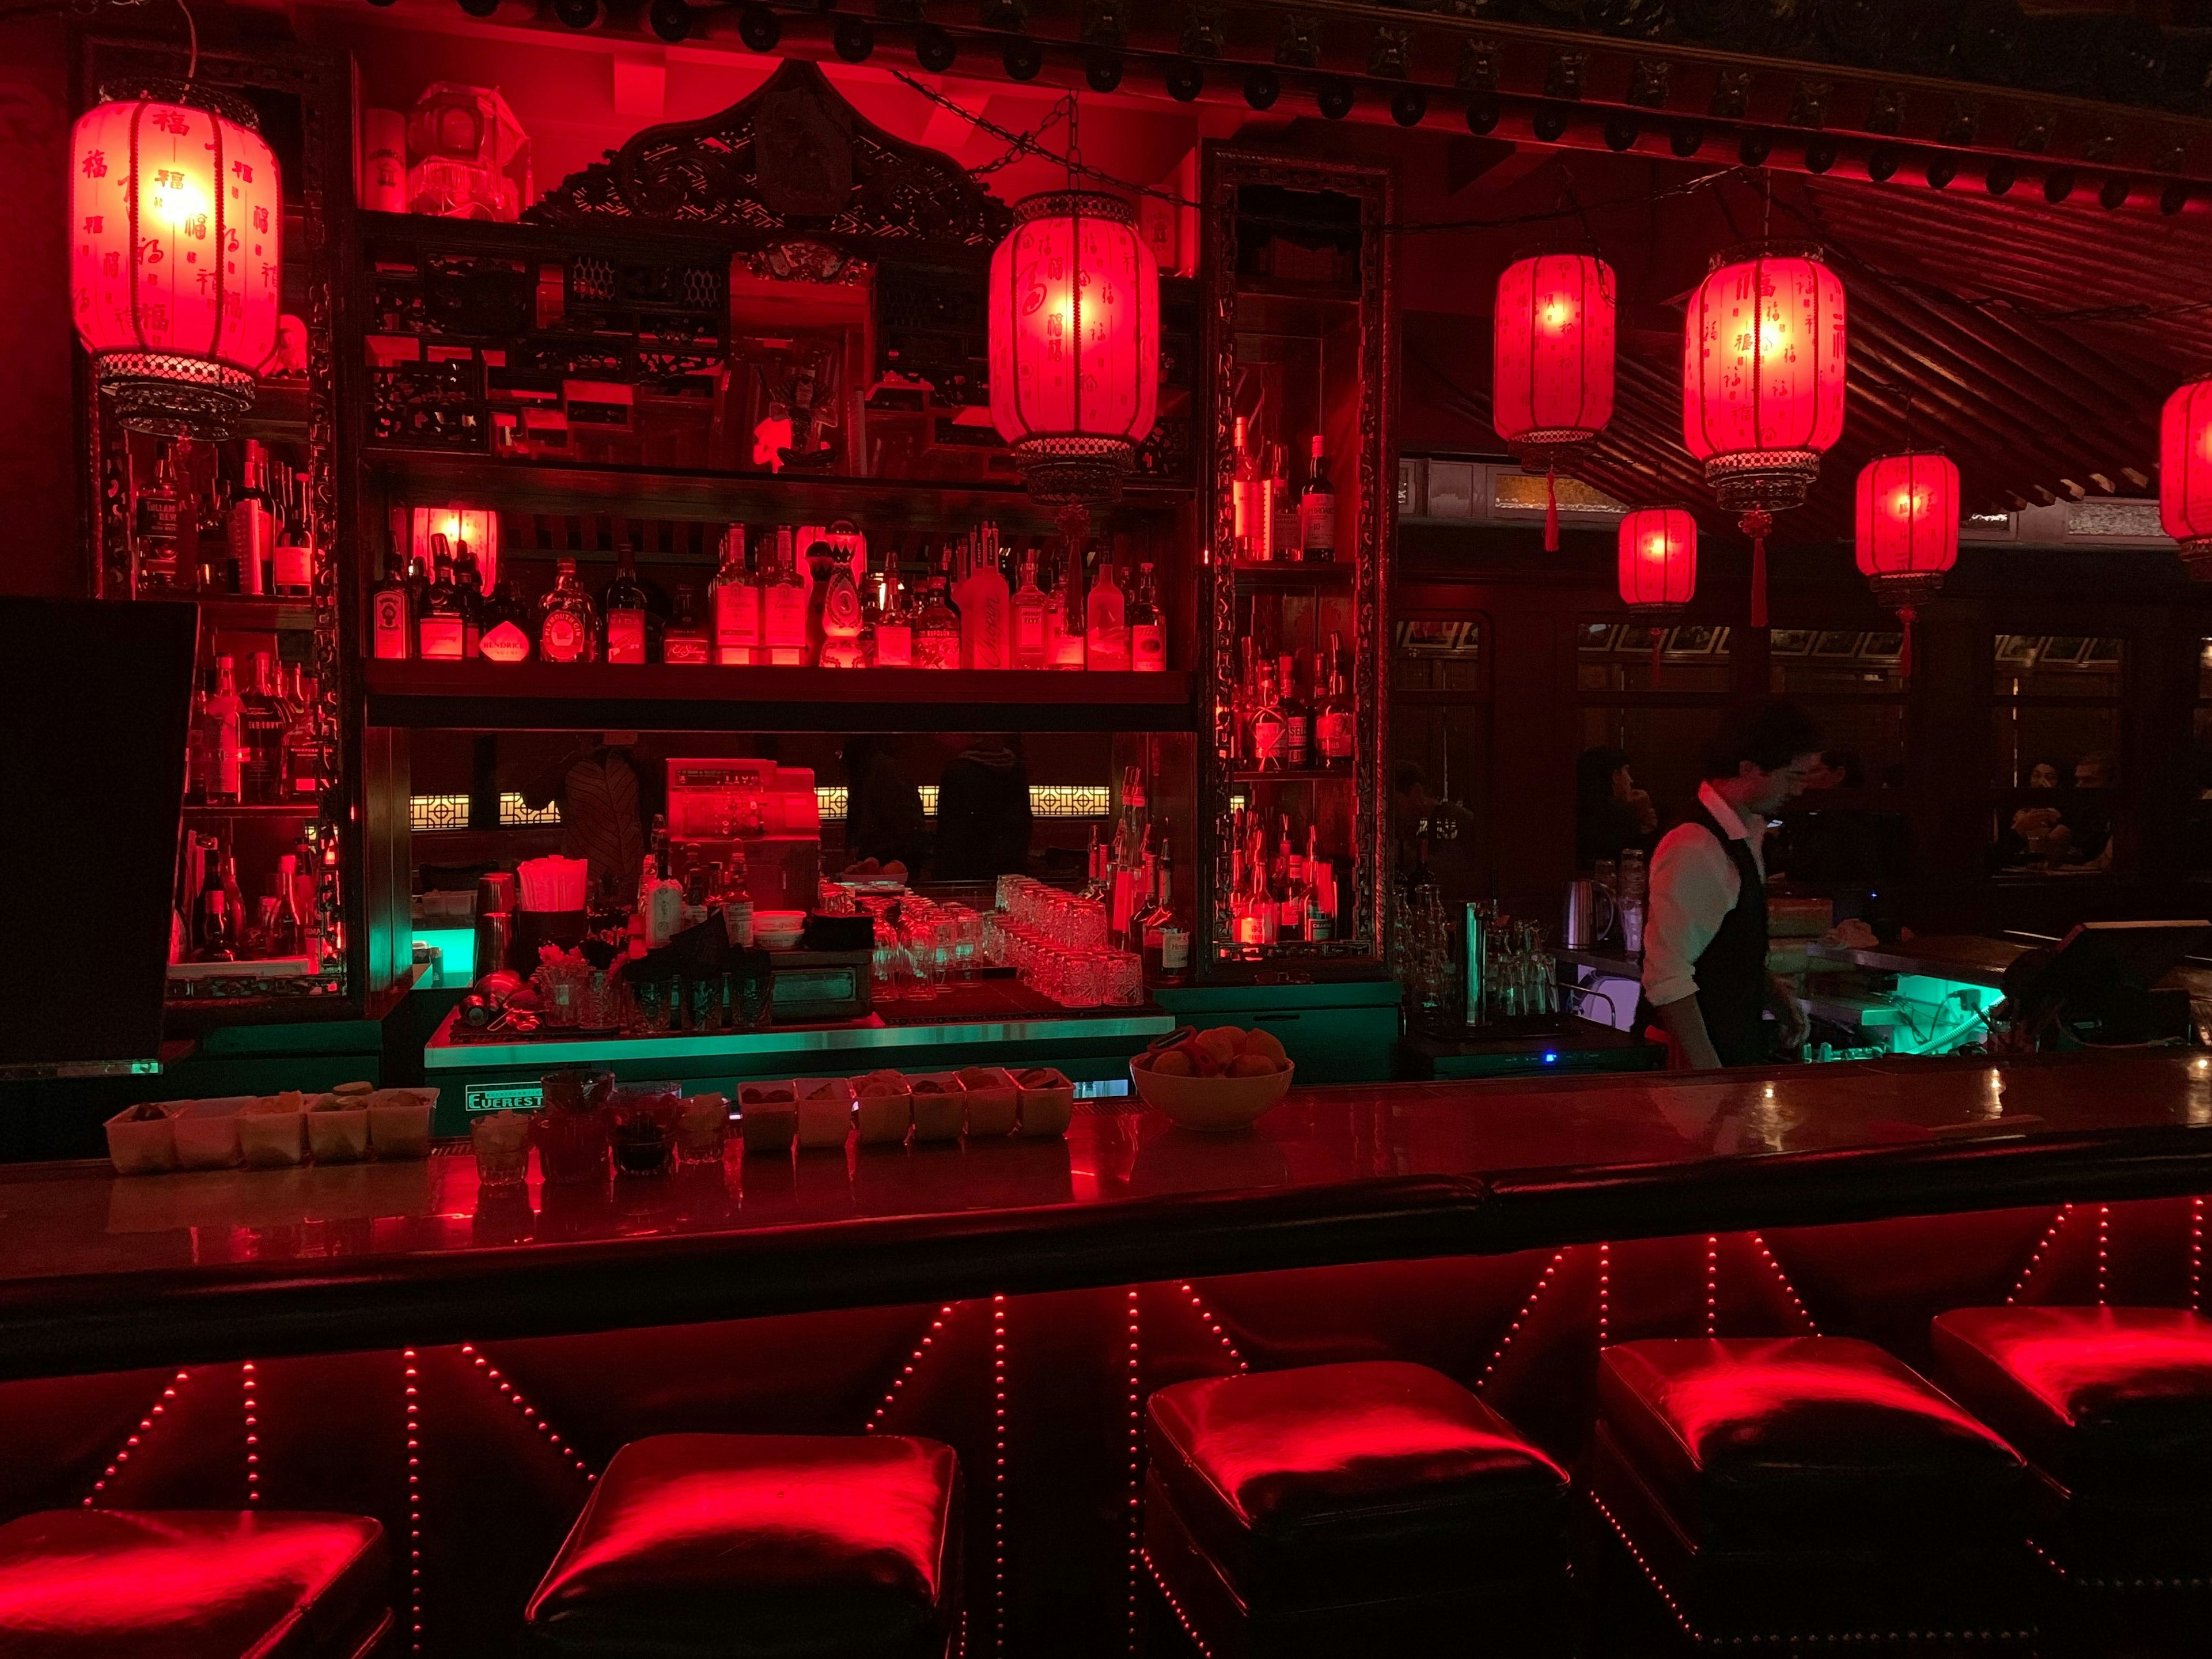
x=1218, y=1079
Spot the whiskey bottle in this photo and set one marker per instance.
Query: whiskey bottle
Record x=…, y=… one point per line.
x=623, y=604
x=261, y=726
x=303, y=748
x=1297, y=716
x=567, y=626
x=155, y=527
x=1290, y=887
x=937, y=630
x=441, y=633
x=292, y=564
x=1320, y=891
x=1333, y=722
x=1270, y=727
x=686, y=639
x=1317, y=511
x=392, y=614
x=1166, y=934
x=736, y=604
x=1148, y=633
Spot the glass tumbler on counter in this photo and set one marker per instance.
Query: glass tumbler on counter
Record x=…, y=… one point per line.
x=703, y=1125
x=570, y=1128
x=643, y=1130
x=500, y=1141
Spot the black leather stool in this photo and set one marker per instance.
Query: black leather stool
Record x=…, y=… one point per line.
x=2113, y=1408
x=1368, y=1507
x=91, y=1583
x=755, y=1546
x=1809, y=1490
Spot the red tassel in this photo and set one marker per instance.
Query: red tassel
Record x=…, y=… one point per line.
x=1907, y=616
x=1551, y=510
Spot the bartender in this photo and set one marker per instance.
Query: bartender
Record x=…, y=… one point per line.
x=1704, y=941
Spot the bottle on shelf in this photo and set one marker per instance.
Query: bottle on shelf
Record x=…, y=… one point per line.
x=986, y=605
x=1167, y=930
x=1297, y=716
x=215, y=934
x=624, y=611
x=292, y=563
x=1320, y=891
x=686, y=638
x=418, y=594
x=783, y=606
x=505, y=624
x=441, y=633
x=838, y=618
x=392, y=614
x=261, y=726
x=225, y=774
x=1290, y=889
x=567, y=626
x=1030, y=605
x=1333, y=723
x=1106, y=623
x=891, y=633
x=1270, y=726
x=937, y=628
x=1244, y=497
x=251, y=525
x=1064, y=614
x=469, y=579
x=737, y=598
x=1272, y=543
x=1317, y=510
x=288, y=929
x=154, y=524
x=1132, y=839
x=1148, y=633
x=303, y=748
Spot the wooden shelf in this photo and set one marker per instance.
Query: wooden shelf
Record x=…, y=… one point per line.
x=564, y=488
x=247, y=614
x=1293, y=578
x=1299, y=774
x=258, y=809
x=656, y=697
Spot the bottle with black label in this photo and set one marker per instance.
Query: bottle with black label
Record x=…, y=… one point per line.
x=469, y=580
x=687, y=639
x=1317, y=510
x=261, y=724
x=160, y=505
x=624, y=605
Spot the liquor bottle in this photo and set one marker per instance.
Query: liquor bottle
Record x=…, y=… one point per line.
x=736, y=604
x=1270, y=727
x=1065, y=616
x=292, y=563
x=1332, y=725
x=155, y=526
x=567, y=626
x=1166, y=934
x=469, y=579
x=1290, y=887
x=1148, y=633
x=252, y=525
x=838, y=616
x=1106, y=644
x=892, y=638
x=1297, y=716
x=303, y=748
x=225, y=781
x=1317, y=511
x=199, y=743
x=1029, y=604
x=261, y=736
x=216, y=937
x=392, y=614
x=1268, y=509
x=418, y=595
x=623, y=605
x=1320, y=891
x=937, y=630
x=504, y=625
x=783, y=606
x=1132, y=838
x=287, y=930
x=687, y=639
x=985, y=606
x=441, y=633
x=1246, y=502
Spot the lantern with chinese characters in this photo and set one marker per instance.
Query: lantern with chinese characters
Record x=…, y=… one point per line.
x=1552, y=344
x=2185, y=475
x=1658, y=568
x=1075, y=344
x=1907, y=532
x=176, y=231
x=1763, y=351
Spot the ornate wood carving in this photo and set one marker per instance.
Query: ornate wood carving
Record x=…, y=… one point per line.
x=792, y=161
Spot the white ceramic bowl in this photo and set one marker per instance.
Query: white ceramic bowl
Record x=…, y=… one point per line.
x=1211, y=1103
x=778, y=930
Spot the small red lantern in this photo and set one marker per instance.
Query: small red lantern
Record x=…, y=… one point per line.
x=1907, y=532
x=1763, y=354
x=177, y=227
x=1075, y=344
x=2185, y=475
x=1552, y=349
x=1658, y=568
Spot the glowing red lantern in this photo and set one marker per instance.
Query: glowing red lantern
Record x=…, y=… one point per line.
x=177, y=227
x=1552, y=346
x=2185, y=475
x=1763, y=353
x=1075, y=343
x=1658, y=568
x=1907, y=532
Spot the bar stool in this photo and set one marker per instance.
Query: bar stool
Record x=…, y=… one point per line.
x=1368, y=1507
x=1808, y=1490
x=747, y=1547
x=2113, y=1408
x=90, y=1584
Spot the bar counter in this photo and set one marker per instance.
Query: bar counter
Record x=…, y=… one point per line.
x=99, y=1272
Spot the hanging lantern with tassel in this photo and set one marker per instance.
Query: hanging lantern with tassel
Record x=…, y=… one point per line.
x=1552, y=350
x=1763, y=354
x=1658, y=568
x=2185, y=475
x=176, y=239
x=1907, y=532
x=1075, y=347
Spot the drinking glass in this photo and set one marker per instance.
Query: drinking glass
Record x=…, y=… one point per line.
x=500, y=1141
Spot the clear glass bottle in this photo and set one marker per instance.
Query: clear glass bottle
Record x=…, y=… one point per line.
x=1065, y=615
x=985, y=606
x=226, y=760
x=568, y=623
x=891, y=636
x=737, y=600
x=1148, y=633
x=1031, y=606
x=687, y=639
x=392, y=614
x=783, y=606
x=1106, y=645
x=625, y=611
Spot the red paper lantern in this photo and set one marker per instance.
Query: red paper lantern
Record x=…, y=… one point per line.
x=1907, y=532
x=2185, y=475
x=1551, y=335
x=177, y=226
x=1658, y=560
x=1763, y=354
x=1075, y=343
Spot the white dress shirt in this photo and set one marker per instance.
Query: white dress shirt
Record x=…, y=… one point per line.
x=1694, y=884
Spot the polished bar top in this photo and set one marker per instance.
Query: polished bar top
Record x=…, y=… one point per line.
x=99, y=1271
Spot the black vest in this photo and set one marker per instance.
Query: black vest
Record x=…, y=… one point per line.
x=1731, y=975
